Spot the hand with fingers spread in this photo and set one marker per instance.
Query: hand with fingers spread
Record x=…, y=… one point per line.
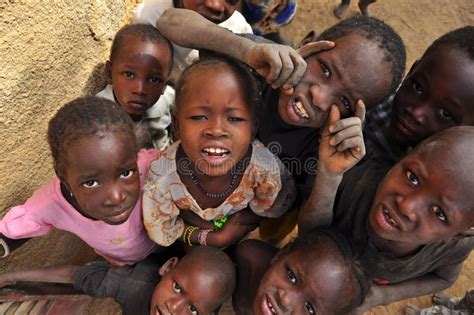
x=281, y=65
x=342, y=143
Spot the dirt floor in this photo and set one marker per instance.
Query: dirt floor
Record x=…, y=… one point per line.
x=418, y=22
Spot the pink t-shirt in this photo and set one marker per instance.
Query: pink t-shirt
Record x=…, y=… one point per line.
x=122, y=244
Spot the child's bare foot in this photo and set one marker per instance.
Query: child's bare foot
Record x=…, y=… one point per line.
x=363, y=6
x=341, y=8
x=411, y=309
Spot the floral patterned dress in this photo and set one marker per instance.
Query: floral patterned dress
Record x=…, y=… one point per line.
x=266, y=188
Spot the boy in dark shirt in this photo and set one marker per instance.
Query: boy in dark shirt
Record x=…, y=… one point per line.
x=436, y=94
x=408, y=227
x=198, y=283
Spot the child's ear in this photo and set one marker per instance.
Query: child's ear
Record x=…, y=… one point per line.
x=311, y=37
x=108, y=68
x=168, y=266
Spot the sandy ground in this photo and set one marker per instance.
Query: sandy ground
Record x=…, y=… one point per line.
x=418, y=22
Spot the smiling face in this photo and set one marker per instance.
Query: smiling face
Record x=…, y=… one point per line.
x=101, y=172
x=426, y=197
x=214, y=120
x=186, y=288
x=438, y=93
x=305, y=280
x=216, y=11
x=139, y=72
x=354, y=69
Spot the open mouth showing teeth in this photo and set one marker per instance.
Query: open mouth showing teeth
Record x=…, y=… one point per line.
x=300, y=110
x=215, y=151
x=389, y=218
x=272, y=309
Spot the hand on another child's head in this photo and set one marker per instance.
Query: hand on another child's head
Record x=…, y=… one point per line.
x=342, y=142
x=305, y=51
x=280, y=65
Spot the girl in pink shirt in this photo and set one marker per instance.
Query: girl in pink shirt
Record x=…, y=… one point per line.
x=97, y=192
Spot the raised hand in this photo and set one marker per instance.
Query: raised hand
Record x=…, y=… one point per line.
x=342, y=143
x=280, y=65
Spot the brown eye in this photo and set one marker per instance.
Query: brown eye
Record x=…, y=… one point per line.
x=291, y=276
x=412, y=178
x=439, y=213
x=90, y=184
x=176, y=287
x=445, y=114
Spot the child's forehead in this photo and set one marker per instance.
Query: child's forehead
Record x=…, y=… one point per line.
x=359, y=65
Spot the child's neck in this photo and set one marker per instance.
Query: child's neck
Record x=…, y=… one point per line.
x=397, y=249
x=208, y=190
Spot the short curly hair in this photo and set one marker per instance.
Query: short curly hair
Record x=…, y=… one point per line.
x=380, y=33
x=342, y=247
x=84, y=117
x=144, y=32
x=251, y=86
x=461, y=38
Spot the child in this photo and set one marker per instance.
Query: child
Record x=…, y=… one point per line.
x=197, y=284
x=220, y=12
x=314, y=274
x=293, y=117
x=407, y=228
x=139, y=66
x=268, y=16
x=96, y=194
x=363, y=7
x=216, y=169
x=436, y=94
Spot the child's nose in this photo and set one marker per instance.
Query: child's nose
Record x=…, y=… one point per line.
x=216, y=5
x=216, y=128
x=286, y=299
x=176, y=305
x=407, y=205
x=320, y=97
x=419, y=112
x=116, y=195
x=139, y=87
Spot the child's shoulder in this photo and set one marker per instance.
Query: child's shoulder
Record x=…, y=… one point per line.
x=164, y=162
x=264, y=159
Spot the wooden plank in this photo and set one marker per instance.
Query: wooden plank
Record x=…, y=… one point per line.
x=25, y=307
x=68, y=306
x=39, y=308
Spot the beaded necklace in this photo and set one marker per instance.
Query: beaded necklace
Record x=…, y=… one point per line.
x=227, y=191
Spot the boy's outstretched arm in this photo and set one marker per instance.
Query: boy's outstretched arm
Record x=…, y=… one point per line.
x=280, y=65
x=55, y=274
x=341, y=146
x=438, y=280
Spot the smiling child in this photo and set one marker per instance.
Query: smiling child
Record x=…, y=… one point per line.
x=314, y=274
x=216, y=169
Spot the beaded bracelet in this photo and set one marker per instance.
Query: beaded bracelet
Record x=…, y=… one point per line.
x=191, y=231
x=202, y=236
x=184, y=234
x=220, y=223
